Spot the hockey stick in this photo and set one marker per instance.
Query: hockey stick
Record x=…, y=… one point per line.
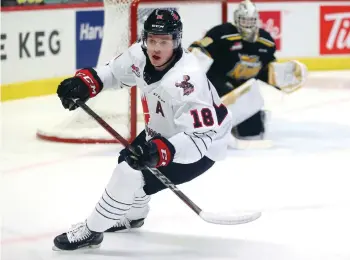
x=222, y=219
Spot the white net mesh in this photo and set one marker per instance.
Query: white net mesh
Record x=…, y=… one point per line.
x=122, y=25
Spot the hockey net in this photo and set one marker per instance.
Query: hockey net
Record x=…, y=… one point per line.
x=123, y=21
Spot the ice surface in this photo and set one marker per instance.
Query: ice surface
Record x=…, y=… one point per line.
x=301, y=185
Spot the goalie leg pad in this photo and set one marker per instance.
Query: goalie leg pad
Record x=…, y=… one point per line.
x=253, y=126
x=244, y=101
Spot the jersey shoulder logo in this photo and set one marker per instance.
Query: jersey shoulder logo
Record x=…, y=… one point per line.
x=236, y=46
x=185, y=85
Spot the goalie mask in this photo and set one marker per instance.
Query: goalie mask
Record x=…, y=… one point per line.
x=163, y=22
x=246, y=18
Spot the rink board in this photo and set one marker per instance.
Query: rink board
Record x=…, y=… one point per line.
x=38, y=53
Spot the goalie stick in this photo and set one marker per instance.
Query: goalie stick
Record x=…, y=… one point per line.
x=214, y=218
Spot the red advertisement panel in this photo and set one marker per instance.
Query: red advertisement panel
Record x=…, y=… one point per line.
x=335, y=29
x=271, y=22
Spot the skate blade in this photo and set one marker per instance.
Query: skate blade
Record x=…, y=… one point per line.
x=85, y=248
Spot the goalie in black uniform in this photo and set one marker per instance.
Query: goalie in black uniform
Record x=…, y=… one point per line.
x=234, y=54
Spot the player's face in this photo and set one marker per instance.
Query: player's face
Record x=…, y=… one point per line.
x=160, y=49
x=248, y=28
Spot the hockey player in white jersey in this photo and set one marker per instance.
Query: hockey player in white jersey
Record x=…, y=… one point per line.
x=186, y=126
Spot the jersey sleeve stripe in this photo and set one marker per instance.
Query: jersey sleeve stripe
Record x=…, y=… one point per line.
x=200, y=152
x=195, y=135
x=209, y=137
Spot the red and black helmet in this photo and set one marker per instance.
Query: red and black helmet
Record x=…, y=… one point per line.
x=164, y=22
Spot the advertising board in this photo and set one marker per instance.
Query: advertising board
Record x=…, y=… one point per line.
x=335, y=29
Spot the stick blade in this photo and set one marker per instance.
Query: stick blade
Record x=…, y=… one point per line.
x=230, y=218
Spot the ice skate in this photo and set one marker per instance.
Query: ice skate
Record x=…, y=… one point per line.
x=126, y=225
x=78, y=237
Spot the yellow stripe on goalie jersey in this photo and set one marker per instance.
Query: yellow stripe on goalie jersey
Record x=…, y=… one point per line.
x=201, y=44
x=206, y=41
x=200, y=48
x=232, y=37
x=265, y=42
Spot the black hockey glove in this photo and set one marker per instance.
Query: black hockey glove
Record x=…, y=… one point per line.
x=155, y=153
x=82, y=86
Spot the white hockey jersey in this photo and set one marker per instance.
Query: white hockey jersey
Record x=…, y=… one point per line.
x=182, y=106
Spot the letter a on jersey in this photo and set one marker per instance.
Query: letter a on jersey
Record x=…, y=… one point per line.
x=159, y=109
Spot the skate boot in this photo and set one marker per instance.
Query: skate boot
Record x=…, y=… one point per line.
x=126, y=225
x=79, y=236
